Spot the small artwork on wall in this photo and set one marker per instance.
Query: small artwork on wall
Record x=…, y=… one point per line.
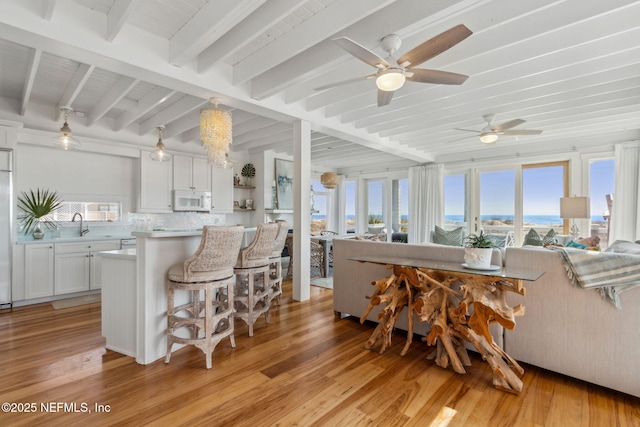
x=284, y=183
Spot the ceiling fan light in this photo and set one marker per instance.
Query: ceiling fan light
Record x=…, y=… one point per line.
x=390, y=80
x=489, y=137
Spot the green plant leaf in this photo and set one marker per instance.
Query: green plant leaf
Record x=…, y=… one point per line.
x=37, y=205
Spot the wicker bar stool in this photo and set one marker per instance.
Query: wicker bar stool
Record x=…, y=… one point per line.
x=275, y=262
x=209, y=278
x=251, y=295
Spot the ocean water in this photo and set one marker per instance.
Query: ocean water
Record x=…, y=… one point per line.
x=530, y=219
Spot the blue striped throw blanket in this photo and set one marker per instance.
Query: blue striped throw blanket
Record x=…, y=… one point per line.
x=611, y=273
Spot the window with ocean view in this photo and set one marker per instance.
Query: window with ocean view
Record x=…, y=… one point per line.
x=601, y=174
x=375, y=206
x=319, y=201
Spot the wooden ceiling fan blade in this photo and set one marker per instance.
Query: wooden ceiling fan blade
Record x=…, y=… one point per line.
x=344, y=82
x=507, y=125
x=435, y=45
x=422, y=75
x=361, y=52
x=384, y=97
x=521, y=132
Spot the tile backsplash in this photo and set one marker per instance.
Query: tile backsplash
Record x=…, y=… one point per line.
x=176, y=220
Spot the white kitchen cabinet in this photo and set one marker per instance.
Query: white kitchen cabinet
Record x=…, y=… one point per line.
x=221, y=190
x=77, y=266
x=191, y=173
x=39, y=268
x=156, y=183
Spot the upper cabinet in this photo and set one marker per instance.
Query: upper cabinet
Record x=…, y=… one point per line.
x=191, y=174
x=156, y=180
x=221, y=190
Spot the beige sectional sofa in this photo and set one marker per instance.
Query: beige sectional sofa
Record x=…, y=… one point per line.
x=565, y=328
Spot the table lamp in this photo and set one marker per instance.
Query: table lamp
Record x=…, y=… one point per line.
x=575, y=207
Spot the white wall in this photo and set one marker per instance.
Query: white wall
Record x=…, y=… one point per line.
x=77, y=176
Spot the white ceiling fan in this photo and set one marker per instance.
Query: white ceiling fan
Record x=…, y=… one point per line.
x=489, y=134
x=393, y=72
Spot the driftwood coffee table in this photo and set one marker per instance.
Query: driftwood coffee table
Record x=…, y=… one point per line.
x=459, y=303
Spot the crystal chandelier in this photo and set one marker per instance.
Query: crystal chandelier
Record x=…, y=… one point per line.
x=65, y=140
x=160, y=153
x=216, y=133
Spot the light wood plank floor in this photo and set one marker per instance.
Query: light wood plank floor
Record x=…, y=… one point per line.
x=304, y=368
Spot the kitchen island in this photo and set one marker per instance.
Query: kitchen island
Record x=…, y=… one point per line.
x=156, y=252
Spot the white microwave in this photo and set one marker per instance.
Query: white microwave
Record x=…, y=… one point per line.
x=191, y=201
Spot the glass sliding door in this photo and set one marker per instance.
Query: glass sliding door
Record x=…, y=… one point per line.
x=350, y=187
x=400, y=209
x=496, y=213
x=455, y=202
x=375, y=206
x=542, y=187
x=601, y=173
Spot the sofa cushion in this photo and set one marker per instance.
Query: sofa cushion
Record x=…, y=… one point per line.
x=449, y=238
x=624, y=247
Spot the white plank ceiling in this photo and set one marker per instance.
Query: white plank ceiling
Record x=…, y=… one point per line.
x=570, y=68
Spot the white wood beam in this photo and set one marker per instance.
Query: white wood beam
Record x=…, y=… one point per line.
x=48, y=6
x=301, y=213
x=283, y=146
x=323, y=24
x=117, y=17
x=205, y=27
x=242, y=34
x=75, y=86
x=175, y=111
x=254, y=124
x=157, y=96
x=183, y=124
x=32, y=68
x=111, y=98
x=263, y=143
x=261, y=133
x=368, y=31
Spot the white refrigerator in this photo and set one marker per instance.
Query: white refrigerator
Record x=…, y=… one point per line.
x=6, y=228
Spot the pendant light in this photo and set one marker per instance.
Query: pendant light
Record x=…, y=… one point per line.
x=160, y=153
x=216, y=132
x=65, y=140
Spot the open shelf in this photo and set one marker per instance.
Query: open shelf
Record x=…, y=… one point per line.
x=244, y=187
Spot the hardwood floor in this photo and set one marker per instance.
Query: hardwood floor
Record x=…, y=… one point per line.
x=304, y=368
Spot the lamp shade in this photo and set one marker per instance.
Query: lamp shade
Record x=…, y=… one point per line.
x=329, y=180
x=575, y=207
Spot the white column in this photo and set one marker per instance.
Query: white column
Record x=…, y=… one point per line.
x=301, y=210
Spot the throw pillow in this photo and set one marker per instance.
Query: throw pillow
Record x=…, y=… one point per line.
x=449, y=238
x=572, y=244
x=532, y=238
x=624, y=247
x=549, y=238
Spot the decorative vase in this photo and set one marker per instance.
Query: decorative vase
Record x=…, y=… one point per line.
x=478, y=257
x=248, y=181
x=37, y=232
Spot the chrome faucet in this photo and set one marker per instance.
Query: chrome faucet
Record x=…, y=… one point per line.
x=82, y=230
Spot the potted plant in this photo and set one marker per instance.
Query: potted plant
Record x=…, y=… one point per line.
x=478, y=249
x=35, y=207
x=248, y=171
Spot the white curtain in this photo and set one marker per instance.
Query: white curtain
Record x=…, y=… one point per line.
x=625, y=212
x=426, y=201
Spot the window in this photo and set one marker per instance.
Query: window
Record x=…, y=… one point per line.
x=455, y=190
x=90, y=211
x=497, y=201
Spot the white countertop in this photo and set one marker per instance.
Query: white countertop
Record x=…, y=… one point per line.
x=67, y=239
x=167, y=233
x=119, y=253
